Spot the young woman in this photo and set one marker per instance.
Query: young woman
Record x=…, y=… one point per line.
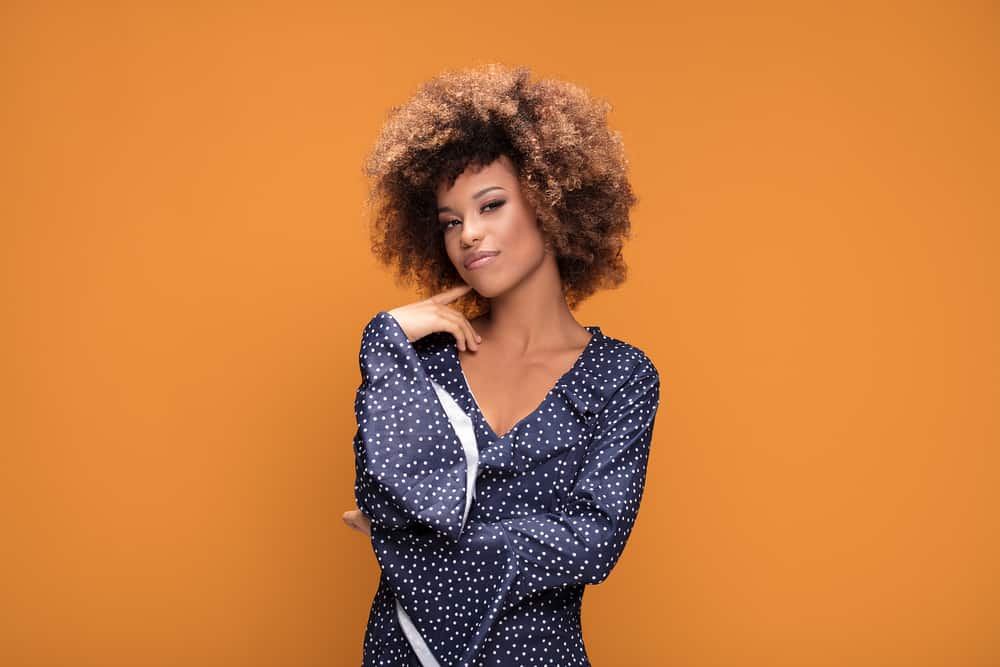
x=502, y=447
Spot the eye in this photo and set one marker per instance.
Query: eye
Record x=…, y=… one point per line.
x=491, y=206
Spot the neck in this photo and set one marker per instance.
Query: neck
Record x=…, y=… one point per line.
x=534, y=314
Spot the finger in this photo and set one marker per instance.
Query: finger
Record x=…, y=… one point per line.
x=450, y=294
x=456, y=319
x=471, y=337
x=458, y=326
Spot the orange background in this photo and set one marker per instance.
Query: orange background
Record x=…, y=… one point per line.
x=814, y=271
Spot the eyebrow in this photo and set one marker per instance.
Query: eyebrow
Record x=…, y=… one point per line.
x=442, y=209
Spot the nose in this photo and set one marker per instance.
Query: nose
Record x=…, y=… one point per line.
x=472, y=229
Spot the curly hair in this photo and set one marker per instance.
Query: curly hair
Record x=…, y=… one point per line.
x=571, y=168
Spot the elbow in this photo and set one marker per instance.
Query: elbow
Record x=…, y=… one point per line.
x=602, y=557
x=601, y=564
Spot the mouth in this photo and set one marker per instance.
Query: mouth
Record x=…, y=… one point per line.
x=480, y=259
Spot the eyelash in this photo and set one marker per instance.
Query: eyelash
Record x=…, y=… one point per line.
x=499, y=202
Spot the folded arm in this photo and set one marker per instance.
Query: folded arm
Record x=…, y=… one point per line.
x=454, y=578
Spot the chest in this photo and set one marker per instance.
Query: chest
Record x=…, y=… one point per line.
x=508, y=391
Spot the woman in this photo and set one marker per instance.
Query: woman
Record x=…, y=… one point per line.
x=502, y=447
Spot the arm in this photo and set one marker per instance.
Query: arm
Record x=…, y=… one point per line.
x=410, y=465
x=454, y=583
x=582, y=543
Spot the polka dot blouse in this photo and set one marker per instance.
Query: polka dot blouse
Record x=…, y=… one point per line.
x=486, y=542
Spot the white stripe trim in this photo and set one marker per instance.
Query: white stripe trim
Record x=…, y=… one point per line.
x=462, y=424
x=427, y=658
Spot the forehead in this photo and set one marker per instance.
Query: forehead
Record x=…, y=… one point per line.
x=474, y=178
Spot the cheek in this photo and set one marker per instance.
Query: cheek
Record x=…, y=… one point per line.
x=518, y=233
x=525, y=241
x=452, y=249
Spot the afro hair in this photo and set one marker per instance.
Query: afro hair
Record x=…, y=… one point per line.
x=571, y=168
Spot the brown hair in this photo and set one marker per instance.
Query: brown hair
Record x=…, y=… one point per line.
x=571, y=167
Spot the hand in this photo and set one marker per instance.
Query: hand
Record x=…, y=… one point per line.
x=423, y=317
x=357, y=520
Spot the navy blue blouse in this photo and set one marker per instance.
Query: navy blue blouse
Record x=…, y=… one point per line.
x=486, y=542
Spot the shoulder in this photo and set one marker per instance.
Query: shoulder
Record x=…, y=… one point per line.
x=633, y=399
x=619, y=358
x=612, y=366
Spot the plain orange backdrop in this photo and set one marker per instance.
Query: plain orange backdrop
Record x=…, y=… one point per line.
x=185, y=276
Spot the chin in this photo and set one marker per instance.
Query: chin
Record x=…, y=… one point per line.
x=484, y=292
x=487, y=289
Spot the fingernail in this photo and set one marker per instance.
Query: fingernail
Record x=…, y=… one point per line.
x=478, y=337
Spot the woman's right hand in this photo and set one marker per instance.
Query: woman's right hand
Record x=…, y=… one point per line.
x=432, y=314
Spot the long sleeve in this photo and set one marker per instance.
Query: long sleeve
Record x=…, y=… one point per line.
x=453, y=583
x=410, y=465
x=583, y=542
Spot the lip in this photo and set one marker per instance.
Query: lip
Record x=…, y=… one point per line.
x=481, y=258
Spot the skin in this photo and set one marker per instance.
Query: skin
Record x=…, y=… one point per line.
x=514, y=354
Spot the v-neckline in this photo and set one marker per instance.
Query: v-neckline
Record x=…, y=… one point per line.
x=595, y=332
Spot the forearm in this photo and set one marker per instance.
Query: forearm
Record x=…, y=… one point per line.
x=411, y=465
